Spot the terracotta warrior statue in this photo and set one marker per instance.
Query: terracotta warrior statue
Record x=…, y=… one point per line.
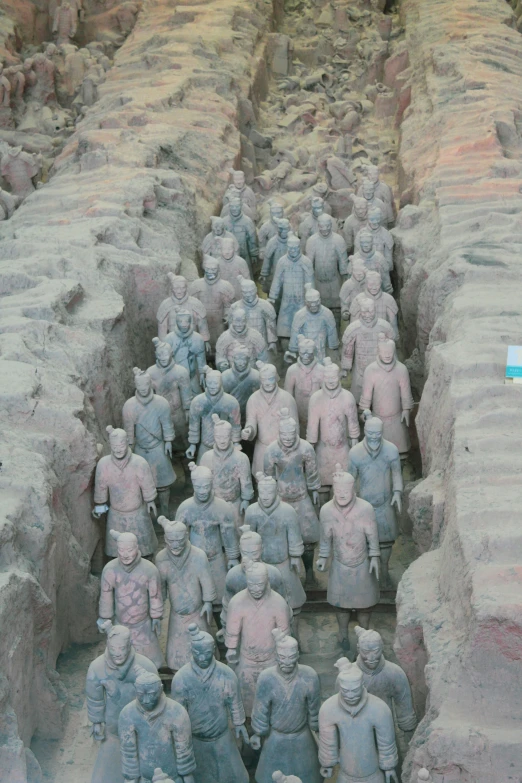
x=354, y=286
x=124, y=486
x=360, y=342
x=310, y=225
x=202, y=408
x=355, y=222
x=19, y=169
x=131, y=593
x=187, y=582
x=230, y=469
x=238, y=189
x=304, y=378
x=382, y=238
x=269, y=229
x=215, y=294
x=387, y=392
x=65, y=23
x=252, y=616
x=328, y=253
x=385, y=305
x=285, y=717
x=244, y=230
x=349, y=533
x=260, y=313
x=179, y=299
x=262, y=413
x=209, y=691
x=367, y=191
x=239, y=333
x=232, y=267
x=241, y=380
x=376, y=464
x=148, y=423
x=333, y=425
x=316, y=322
x=292, y=272
x=211, y=245
x=382, y=191
x=172, y=381
x=155, y=730
x=372, y=259
x=188, y=348
x=275, y=249
x=111, y=678
x=356, y=731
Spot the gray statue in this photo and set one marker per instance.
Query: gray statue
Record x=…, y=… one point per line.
x=179, y=299
x=202, y=409
x=329, y=256
x=316, y=322
x=188, y=348
x=244, y=230
x=241, y=380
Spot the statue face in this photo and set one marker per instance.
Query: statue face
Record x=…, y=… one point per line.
x=344, y=492
x=324, y=225
x=288, y=435
x=366, y=243
x=214, y=384
x=163, y=356
x=287, y=659
x=368, y=190
x=222, y=437
x=306, y=355
x=371, y=653
x=127, y=552
x=241, y=362
x=269, y=382
x=149, y=695
x=211, y=271
x=203, y=654
x=373, y=174
x=373, y=284
x=235, y=209
x=361, y=211
x=238, y=178
x=276, y=212
x=176, y=542
x=374, y=220
x=317, y=210
x=332, y=378
x=373, y=438
x=250, y=549
x=227, y=248
x=267, y=492
x=313, y=304
x=351, y=692
x=250, y=294
x=358, y=272
x=203, y=490
x=293, y=251
x=179, y=289
x=183, y=323
x=256, y=585
x=386, y=352
x=119, y=446
x=218, y=228
x=239, y=321
x=143, y=385
x=283, y=232
x=119, y=648
x=367, y=312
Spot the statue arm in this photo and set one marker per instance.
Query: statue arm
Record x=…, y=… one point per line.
x=182, y=738
x=407, y=401
x=348, y=349
x=194, y=430
x=155, y=597
x=385, y=738
x=185, y=391
x=267, y=263
x=397, y=482
x=167, y=424
x=312, y=428
x=331, y=332
x=208, y=588
x=95, y=693
x=245, y=480
x=147, y=484
x=233, y=632
x=128, y=421
x=295, y=539
x=253, y=246
x=101, y=486
x=314, y=703
x=130, y=763
x=403, y=702
x=235, y=702
x=230, y=538
x=235, y=421
x=269, y=314
x=277, y=282
x=325, y=543
x=372, y=535
x=365, y=402
x=313, y=481
x=106, y=604
x=328, y=740
x=354, y=429
x=261, y=709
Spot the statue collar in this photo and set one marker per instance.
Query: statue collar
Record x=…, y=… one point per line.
x=204, y=506
x=388, y=367
x=211, y=282
x=179, y=302
x=224, y=454
x=166, y=369
x=241, y=375
x=270, y=509
x=269, y=396
x=332, y=393
x=120, y=672
x=289, y=449
x=203, y=674
x=345, y=509
x=121, y=464
x=353, y=711
x=179, y=560
x=239, y=335
x=370, y=672
x=214, y=398
x=376, y=296
x=373, y=454
x=369, y=326
x=158, y=710
x=288, y=678
x=144, y=400
x=250, y=304
x=185, y=336
x=131, y=566
x=307, y=368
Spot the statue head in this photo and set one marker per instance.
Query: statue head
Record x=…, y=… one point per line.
x=317, y=206
x=236, y=207
x=222, y=432
x=268, y=376
x=367, y=314
x=202, y=646
x=238, y=320
x=28, y=64
x=312, y=299
x=279, y=777
x=293, y=248
x=370, y=647
x=142, y=382
x=287, y=651
x=366, y=240
x=386, y=349
x=238, y=179
x=241, y=358
x=218, y=226
x=184, y=322
x=148, y=690
x=161, y=777
x=276, y=211
x=250, y=545
x=375, y=217
x=343, y=486
x=201, y=481
x=266, y=489
x=332, y=374
x=368, y=189
x=228, y=248
x=360, y=207
x=373, y=282
x=372, y=431
x=358, y=270
x=176, y=535
x=163, y=352
x=423, y=776
x=306, y=349
x=127, y=546
x=288, y=429
x=119, y=642
x=283, y=229
x=178, y=286
x=213, y=382
x=210, y=268
x=324, y=225
x=118, y=441
x=256, y=579
x=248, y=289
x=350, y=681
x=372, y=173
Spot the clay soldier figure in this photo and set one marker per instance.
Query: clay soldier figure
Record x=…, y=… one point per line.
x=239, y=190
x=201, y=423
x=385, y=679
x=328, y=254
x=367, y=191
x=209, y=691
x=155, y=730
x=270, y=228
x=65, y=23
x=355, y=222
x=188, y=348
x=333, y=425
x=252, y=616
x=179, y=299
x=286, y=715
x=387, y=391
x=187, y=582
x=172, y=381
x=230, y=468
x=310, y=225
x=373, y=259
x=251, y=547
x=211, y=522
x=244, y=230
x=385, y=305
x=239, y=333
x=260, y=313
x=131, y=593
x=349, y=533
x=148, y=423
x=262, y=413
x=215, y=294
x=356, y=731
x=19, y=168
x=360, y=342
x=241, y=380
x=278, y=525
x=304, y=378
x=382, y=238
x=124, y=486
x=109, y=688
x=232, y=267
x=382, y=191
x=275, y=249
x=352, y=287
x=316, y=322
x=211, y=245
x=376, y=464
x=292, y=272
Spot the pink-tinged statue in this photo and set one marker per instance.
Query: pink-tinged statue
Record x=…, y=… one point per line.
x=316, y=322
x=310, y=225
x=333, y=425
x=385, y=679
x=382, y=191
x=209, y=691
x=178, y=300
x=360, y=341
x=382, y=238
x=201, y=422
x=188, y=348
x=131, y=593
x=251, y=548
x=387, y=392
x=328, y=253
x=252, y=616
x=110, y=686
x=278, y=525
x=150, y=430
x=215, y=294
x=244, y=230
x=263, y=413
x=352, y=287
x=124, y=486
x=19, y=169
x=304, y=378
x=212, y=525
x=230, y=469
x=65, y=23
x=356, y=731
x=367, y=191
x=270, y=228
x=238, y=189
x=232, y=267
x=186, y=580
x=278, y=777
x=260, y=313
x=211, y=245
x=155, y=734
x=376, y=464
x=239, y=333
x=355, y=222
x=285, y=717
x=275, y=249
x=292, y=272
x=373, y=259
x=172, y=381
x=349, y=533
x=241, y=380
x=43, y=88
x=385, y=305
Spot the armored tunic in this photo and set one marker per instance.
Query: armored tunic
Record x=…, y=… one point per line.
x=173, y=383
x=148, y=424
x=289, y=280
x=167, y=310
x=387, y=391
x=329, y=257
x=389, y=682
x=332, y=422
x=302, y=380
x=385, y=308
x=232, y=479
x=360, y=343
x=201, y=426
x=216, y=296
x=230, y=340
x=319, y=327
x=189, y=351
x=262, y=414
x=244, y=230
x=230, y=269
x=241, y=386
x=262, y=316
x=236, y=581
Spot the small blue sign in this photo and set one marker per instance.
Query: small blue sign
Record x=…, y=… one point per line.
x=514, y=362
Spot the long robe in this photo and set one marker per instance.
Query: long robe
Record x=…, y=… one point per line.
x=189, y=351
x=332, y=423
x=166, y=316
x=241, y=386
x=286, y=711
x=386, y=390
x=173, y=383
x=389, y=682
x=210, y=696
x=262, y=414
x=289, y=281
x=319, y=327
x=329, y=257
x=236, y=581
x=201, y=426
x=216, y=296
x=230, y=340
x=232, y=479
x=302, y=380
x=148, y=424
x=360, y=342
